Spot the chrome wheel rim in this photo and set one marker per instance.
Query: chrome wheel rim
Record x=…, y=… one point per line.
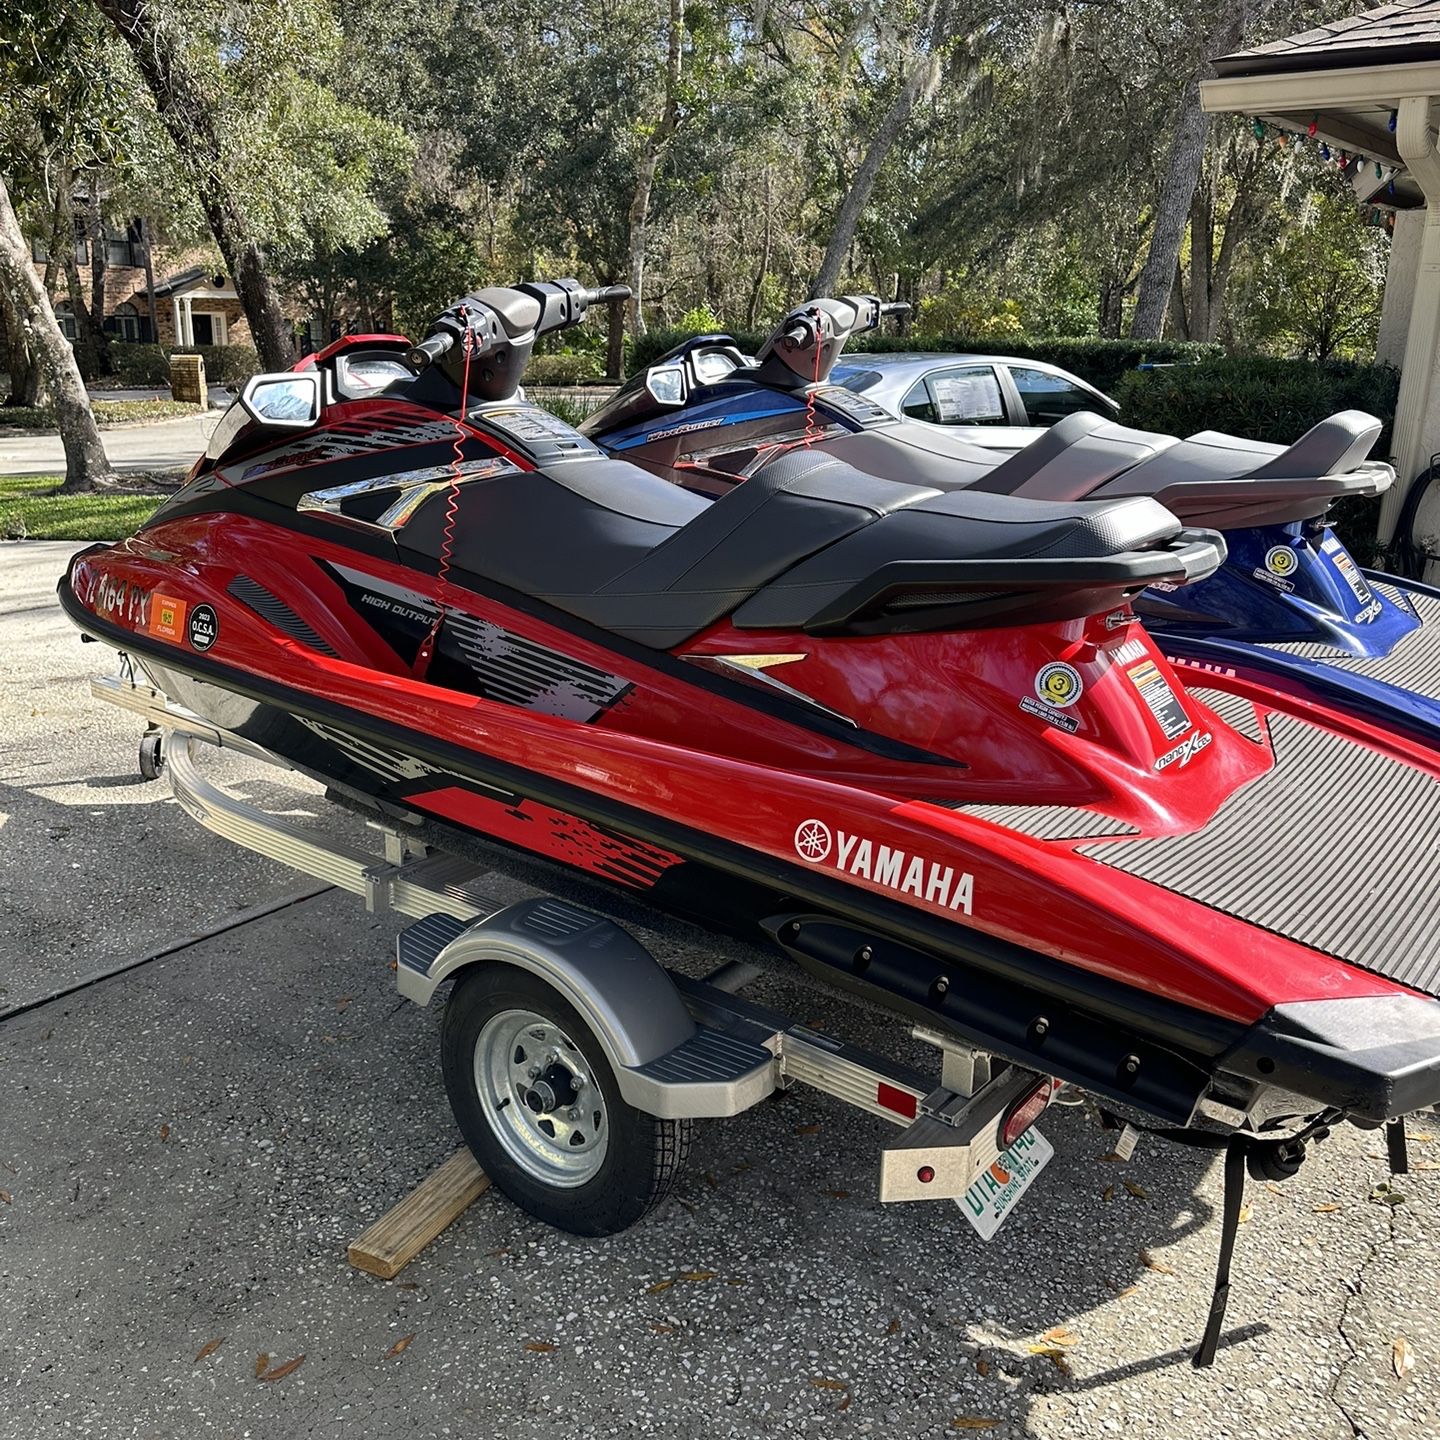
x=539, y=1095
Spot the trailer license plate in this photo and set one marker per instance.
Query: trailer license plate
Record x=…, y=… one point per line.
x=988, y=1202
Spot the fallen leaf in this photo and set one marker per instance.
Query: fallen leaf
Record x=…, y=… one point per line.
x=1327, y=1209
x=821, y=1383
x=711, y=1181
x=658, y=1286
x=281, y=1371
x=845, y=1403
x=1401, y=1357
x=1108, y=1194
x=1048, y=1351
x=893, y=1327
x=408, y=1285
x=1246, y=1211
x=1273, y=1188
x=1387, y=1194
x=966, y=1422
x=1128, y=1290
x=1112, y=1159
x=660, y=1329
x=1151, y=1263
x=495, y=1254
x=262, y=1364
x=1061, y=1335
x=1422, y=1136
x=399, y=1347
x=839, y=1194
x=541, y=1347
x=394, y=964
x=7, y=1197
x=343, y=1001
x=164, y=1133
x=735, y=1280
x=209, y=1348
x=696, y=1275
x=982, y=1367
x=807, y=1129
x=1425, y=1164
x=1138, y=1191
x=741, y=1168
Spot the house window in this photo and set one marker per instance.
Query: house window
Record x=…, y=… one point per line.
x=65, y=317
x=127, y=324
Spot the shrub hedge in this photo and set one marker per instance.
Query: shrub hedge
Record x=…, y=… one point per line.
x=149, y=365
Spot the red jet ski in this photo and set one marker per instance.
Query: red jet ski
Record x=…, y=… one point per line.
x=916, y=741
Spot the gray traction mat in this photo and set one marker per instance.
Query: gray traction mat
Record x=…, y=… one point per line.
x=1235, y=710
x=1414, y=663
x=1048, y=822
x=1336, y=847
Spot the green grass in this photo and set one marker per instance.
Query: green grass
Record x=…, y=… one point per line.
x=29, y=510
x=107, y=413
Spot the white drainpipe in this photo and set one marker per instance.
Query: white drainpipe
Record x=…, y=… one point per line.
x=1415, y=142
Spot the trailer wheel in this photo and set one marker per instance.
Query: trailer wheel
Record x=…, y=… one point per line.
x=152, y=754
x=538, y=1104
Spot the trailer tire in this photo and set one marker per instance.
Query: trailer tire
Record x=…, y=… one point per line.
x=513, y=1051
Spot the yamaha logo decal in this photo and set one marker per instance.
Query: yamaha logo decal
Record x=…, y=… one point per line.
x=812, y=840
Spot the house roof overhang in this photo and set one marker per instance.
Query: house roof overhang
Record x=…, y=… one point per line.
x=1351, y=107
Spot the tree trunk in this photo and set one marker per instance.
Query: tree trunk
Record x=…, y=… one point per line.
x=25, y=387
x=152, y=303
x=99, y=258
x=615, y=343
x=86, y=350
x=187, y=115
x=85, y=460
x=919, y=82
x=1182, y=174
x=1179, y=317
x=659, y=138
x=752, y=310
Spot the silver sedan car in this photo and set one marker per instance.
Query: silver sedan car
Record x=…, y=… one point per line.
x=997, y=401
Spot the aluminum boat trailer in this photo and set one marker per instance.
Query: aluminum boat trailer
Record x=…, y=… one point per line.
x=527, y=1087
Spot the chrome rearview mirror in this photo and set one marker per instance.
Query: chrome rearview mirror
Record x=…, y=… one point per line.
x=287, y=401
x=667, y=384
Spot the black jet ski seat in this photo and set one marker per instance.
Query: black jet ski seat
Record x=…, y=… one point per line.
x=1209, y=479
x=636, y=555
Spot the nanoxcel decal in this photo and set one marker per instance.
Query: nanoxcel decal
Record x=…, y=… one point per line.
x=1185, y=751
x=886, y=865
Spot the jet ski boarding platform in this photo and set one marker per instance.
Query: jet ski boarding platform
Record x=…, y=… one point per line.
x=576, y=1063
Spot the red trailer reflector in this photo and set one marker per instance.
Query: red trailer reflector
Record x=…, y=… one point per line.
x=902, y=1102
x=925, y=1174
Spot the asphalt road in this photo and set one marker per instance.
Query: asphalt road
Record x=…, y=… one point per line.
x=187, y=1146
x=164, y=445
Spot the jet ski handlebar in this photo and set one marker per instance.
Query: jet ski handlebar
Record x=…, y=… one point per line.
x=497, y=327
x=806, y=343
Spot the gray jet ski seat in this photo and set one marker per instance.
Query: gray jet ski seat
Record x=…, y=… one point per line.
x=636, y=555
x=1209, y=479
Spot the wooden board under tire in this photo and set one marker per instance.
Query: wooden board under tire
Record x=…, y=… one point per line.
x=400, y=1234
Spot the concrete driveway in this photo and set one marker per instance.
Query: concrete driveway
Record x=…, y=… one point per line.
x=187, y=1146
x=165, y=445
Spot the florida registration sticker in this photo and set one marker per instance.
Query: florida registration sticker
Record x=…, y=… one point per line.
x=988, y=1202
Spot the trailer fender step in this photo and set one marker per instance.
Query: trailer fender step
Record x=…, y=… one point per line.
x=664, y=1063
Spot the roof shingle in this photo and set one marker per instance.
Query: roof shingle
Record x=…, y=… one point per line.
x=1401, y=32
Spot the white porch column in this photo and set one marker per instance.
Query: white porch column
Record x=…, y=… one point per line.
x=1415, y=141
x=189, y=320
x=179, y=322
x=1405, y=243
